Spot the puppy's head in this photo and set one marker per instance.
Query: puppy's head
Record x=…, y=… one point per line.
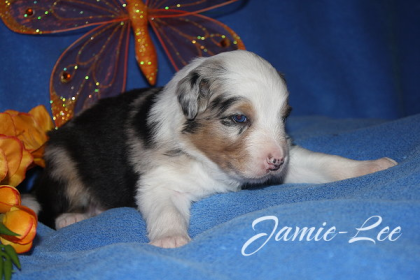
x=235, y=105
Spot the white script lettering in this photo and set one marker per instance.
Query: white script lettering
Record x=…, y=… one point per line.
x=376, y=221
x=270, y=224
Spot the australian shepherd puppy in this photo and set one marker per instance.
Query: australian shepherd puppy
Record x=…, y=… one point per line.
x=217, y=125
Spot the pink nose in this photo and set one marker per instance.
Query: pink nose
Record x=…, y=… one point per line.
x=274, y=163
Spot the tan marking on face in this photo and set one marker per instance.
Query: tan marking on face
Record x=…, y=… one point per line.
x=224, y=145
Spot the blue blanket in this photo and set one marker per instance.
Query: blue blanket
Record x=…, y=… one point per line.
x=356, y=64
x=366, y=227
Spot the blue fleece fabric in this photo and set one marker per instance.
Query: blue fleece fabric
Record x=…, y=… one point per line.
x=113, y=245
x=356, y=64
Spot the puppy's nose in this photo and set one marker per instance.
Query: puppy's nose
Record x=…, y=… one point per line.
x=274, y=163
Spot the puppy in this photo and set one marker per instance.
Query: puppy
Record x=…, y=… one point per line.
x=217, y=125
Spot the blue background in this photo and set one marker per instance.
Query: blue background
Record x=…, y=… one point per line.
x=341, y=58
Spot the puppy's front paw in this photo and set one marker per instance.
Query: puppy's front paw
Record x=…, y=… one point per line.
x=171, y=241
x=67, y=219
x=373, y=166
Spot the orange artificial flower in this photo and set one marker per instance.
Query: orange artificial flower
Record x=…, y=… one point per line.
x=30, y=128
x=9, y=197
x=14, y=160
x=22, y=221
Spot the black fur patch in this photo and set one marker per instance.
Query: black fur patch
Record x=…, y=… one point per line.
x=96, y=142
x=191, y=127
x=194, y=76
x=220, y=104
x=51, y=195
x=140, y=122
x=185, y=105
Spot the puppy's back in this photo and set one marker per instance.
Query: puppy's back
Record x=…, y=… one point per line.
x=87, y=166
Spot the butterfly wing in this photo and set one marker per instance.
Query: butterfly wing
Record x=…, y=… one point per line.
x=49, y=16
x=187, y=36
x=93, y=67
x=168, y=7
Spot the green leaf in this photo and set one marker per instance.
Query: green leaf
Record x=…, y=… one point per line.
x=9, y=250
x=7, y=265
x=1, y=267
x=4, y=230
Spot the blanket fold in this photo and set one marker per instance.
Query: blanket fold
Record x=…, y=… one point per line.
x=365, y=227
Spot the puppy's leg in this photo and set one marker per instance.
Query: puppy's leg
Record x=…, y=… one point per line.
x=63, y=197
x=311, y=167
x=167, y=214
x=67, y=219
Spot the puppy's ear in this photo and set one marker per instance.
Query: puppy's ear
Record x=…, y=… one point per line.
x=193, y=94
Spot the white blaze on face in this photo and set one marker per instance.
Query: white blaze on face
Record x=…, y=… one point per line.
x=266, y=144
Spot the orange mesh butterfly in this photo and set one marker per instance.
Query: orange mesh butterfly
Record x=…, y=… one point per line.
x=95, y=66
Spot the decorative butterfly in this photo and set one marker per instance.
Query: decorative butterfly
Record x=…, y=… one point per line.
x=95, y=66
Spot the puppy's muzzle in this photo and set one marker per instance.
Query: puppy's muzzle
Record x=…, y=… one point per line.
x=274, y=163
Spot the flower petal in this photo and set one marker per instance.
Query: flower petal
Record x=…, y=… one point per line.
x=19, y=248
x=12, y=149
x=28, y=131
x=38, y=156
x=18, y=160
x=42, y=118
x=6, y=125
x=11, y=112
x=3, y=165
x=20, y=175
x=9, y=196
x=20, y=220
x=30, y=128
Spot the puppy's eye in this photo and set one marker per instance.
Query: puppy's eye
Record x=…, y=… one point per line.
x=238, y=118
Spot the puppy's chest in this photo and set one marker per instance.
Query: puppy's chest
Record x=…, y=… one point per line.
x=182, y=174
